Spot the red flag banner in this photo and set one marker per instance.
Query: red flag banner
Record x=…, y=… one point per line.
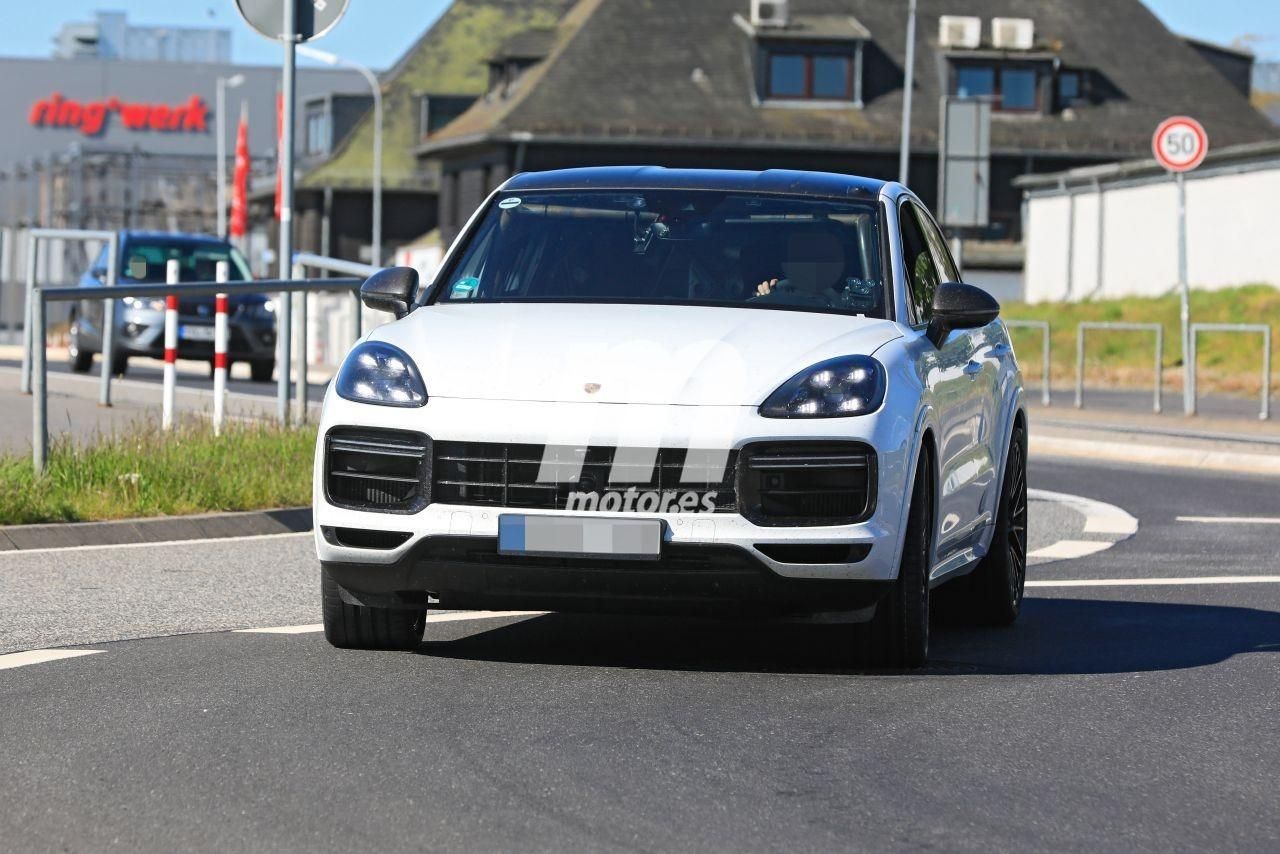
x=240, y=179
x=279, y=149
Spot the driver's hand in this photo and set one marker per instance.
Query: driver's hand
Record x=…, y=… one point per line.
x=766, y=287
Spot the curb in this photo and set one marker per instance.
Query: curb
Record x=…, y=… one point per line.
x=207, y=526
x=1157, y=455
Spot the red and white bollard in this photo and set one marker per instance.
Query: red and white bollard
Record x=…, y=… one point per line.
x=220, y=350
x=170, y=346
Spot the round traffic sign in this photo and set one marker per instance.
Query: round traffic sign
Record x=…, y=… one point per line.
x=1180, y=144
x=312, y=19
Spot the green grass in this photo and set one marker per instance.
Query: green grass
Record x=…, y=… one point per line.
x=1227, y=362
x=145, y=471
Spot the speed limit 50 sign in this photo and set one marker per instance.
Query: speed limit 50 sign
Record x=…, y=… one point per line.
x=1180, y=144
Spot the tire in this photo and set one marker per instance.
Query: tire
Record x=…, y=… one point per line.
x=898, y=635
x=81, y=360
x=119, y=365
x=996, y=586
x=261, y=372
x=361, y=627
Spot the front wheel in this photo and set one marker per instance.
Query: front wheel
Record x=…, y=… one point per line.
x=996, y=586
x=81, y=360
x=361, y=627
x=898, y=635
x=260, y=372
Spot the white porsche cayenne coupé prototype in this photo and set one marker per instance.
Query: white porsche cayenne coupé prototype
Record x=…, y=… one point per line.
x=641, y=390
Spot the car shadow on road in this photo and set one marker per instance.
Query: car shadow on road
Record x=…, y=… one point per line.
x=1053, y=636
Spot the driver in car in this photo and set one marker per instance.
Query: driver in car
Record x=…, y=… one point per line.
x=814, y=275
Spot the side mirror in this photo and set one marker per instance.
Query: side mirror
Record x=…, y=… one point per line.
x=957, y=306
x=390, y=290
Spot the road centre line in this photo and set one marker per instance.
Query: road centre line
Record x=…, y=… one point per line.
x=1231, y=520
x=39, y=656
x=1155, y=582
x=1070, y=549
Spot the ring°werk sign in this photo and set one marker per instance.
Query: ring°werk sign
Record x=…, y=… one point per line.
x=91, y=117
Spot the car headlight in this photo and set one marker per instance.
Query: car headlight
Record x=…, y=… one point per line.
x=848, y=385
x=156, y=304
x=265, y=310
x=376, y=372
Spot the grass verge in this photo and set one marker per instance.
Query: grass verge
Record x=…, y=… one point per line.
x=144, y=471
x=1230, y=363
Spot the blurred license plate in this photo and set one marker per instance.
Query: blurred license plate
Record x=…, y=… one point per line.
x=570, y=536
x=195, y=333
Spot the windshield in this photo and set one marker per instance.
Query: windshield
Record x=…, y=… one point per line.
x=673, y=247
x=144, y=261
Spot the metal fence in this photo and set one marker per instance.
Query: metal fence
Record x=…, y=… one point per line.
x=1119, y=327
x=1247, y=328
x=41, y=297
x=1046, y=350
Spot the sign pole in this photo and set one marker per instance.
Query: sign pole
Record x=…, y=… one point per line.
x=289, y=37
x=1184, y=288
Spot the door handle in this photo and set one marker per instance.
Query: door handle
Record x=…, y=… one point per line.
x=973, y=368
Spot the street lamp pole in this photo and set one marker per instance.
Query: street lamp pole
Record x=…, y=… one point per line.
x=904, y=153
x=332, y=59
x=220, y=107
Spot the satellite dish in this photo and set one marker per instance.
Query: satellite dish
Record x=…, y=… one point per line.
x=312, y=19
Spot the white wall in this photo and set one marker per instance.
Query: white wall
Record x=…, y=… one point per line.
x=1232, y=237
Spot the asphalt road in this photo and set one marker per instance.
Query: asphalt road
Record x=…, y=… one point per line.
x=1137, y=717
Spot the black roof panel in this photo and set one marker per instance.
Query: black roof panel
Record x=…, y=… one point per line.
x=776, y=181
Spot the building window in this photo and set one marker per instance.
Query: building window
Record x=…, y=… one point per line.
x=816, y=76
x=317, y=132
x=435, y=112
x=1014, y=88
x=1069, y=88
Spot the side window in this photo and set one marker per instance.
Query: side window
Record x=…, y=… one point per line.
x=941, y=254
x=922, y=274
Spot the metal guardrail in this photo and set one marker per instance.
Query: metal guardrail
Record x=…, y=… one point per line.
x=40, y=297
x=302, y=261
x=1046, y=395
x=1119, y=327
x=34, y=237
x=1247, y=328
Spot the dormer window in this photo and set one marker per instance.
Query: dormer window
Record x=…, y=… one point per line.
x=1013, y=87
x=437, y=111
x=811, y=61
x=811, y=76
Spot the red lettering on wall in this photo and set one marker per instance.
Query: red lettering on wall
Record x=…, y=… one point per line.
x=90, y=117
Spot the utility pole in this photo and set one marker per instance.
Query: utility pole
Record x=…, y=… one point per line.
x=904, y=154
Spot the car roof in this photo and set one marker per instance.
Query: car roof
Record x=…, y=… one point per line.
x=175, y=236
x=772, y=181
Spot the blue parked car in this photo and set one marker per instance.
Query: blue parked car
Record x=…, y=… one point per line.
x=139, y=323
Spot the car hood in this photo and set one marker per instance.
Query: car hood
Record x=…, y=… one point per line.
x=655, y=354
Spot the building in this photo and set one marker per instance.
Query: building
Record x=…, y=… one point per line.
x=818, y=84
x=1112, y=230
x=110, y=36
x=435, y=81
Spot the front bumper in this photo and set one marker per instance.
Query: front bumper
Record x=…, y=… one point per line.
x=728, y=540
x=140, y=332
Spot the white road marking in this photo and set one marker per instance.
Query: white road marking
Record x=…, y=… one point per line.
x=1099, y=517
x=240, y=539
x=1156, y=582
x=39, y=656
x=1231, y=520
x=1070, y=549
x=431, y=618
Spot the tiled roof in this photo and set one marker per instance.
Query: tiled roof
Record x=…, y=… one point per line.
x=667, y=70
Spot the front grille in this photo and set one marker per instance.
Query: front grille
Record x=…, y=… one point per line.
x=495, y=474
x=808, y=483
x=382, y=470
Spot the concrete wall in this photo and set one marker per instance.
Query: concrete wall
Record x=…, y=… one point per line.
x=1232, y=215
